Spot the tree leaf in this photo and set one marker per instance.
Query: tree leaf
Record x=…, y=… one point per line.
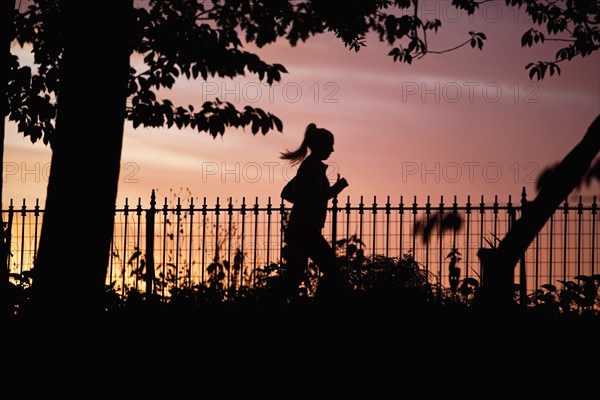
x=277, y=122
x=549, y=287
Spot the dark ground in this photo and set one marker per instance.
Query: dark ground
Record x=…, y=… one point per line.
x=357, y=348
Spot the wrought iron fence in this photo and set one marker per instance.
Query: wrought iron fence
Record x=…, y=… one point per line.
x=180, y=243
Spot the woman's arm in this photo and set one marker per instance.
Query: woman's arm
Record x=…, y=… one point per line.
x=338, y=186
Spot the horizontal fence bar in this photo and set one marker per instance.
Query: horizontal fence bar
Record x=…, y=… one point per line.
x=186, y=245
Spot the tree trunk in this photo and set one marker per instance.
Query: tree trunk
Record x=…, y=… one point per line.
x=77, y=228
x=499, y=264
x=6, y=29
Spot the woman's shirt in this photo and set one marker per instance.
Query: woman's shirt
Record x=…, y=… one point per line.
x=312, y=192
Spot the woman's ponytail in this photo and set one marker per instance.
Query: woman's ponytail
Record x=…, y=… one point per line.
x=299, y=154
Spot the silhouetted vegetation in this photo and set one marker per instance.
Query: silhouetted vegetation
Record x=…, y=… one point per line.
x=375, y=283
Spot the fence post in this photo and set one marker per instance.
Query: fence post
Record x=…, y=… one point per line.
x=8, y=235
x=334, y=210
x=593, y=244
x=522, y=269
x=124, y=267
x=150, y=273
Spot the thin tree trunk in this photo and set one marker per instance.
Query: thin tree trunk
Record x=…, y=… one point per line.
x=71, y=265
x=6, y=29
x=499, y=264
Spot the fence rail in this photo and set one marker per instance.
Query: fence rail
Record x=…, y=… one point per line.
x=181, y=243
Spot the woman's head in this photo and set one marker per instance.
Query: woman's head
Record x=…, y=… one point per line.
x=318, y=140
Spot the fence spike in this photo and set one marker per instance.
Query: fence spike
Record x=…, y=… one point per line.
x=153, y=199
x=524, y=200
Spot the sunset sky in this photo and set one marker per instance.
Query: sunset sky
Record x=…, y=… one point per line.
x=468, y=122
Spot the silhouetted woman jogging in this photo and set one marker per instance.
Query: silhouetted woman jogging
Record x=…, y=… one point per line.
x=310, y=191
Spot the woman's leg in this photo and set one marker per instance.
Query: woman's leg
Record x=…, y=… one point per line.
x=323, y=255
x=296, y=257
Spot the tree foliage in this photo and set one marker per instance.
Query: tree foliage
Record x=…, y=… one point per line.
x=187, y=39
